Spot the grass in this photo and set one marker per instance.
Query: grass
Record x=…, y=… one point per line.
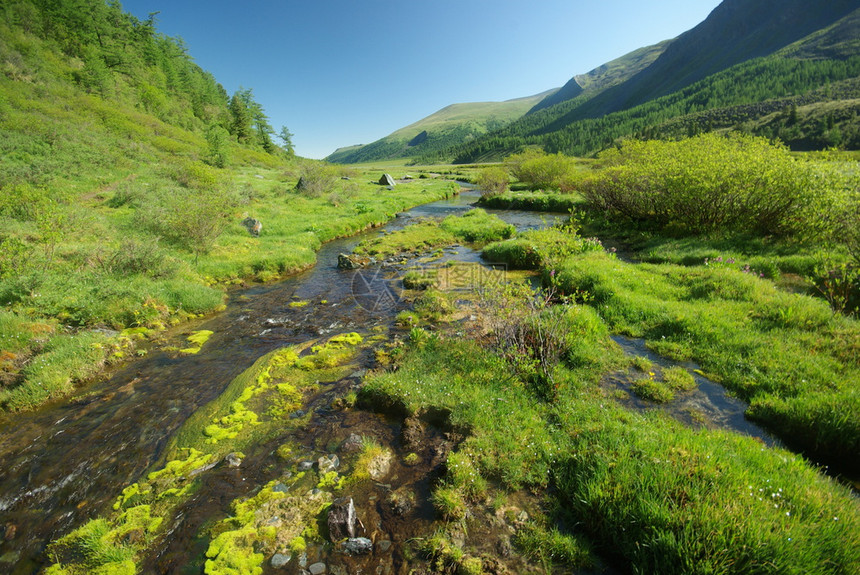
x=475, y=226
x=537, y=201
x=762, y=343
x=659, y=496
x=96, y=279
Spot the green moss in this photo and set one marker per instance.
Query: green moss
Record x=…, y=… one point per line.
x=232, y=554
x=295, y=304
x=331, y=480
x=298, y=544
x=197, y=339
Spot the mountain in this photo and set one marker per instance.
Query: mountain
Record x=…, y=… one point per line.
x=735, y=32
x=449, y=126
x=779, y=68
x=605, y=76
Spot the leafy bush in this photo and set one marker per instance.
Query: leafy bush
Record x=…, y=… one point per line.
x=543, y=171
x=192, y=219
x=492, y=181
x=317, y=179
x=715, y=183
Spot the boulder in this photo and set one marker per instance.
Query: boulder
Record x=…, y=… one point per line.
x=380, y=465
x=253, y=225
x=387, y=180
x=341, y=519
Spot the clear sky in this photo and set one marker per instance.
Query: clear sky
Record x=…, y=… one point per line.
x=341, y=72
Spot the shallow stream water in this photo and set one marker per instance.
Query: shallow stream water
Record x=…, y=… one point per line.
x=67, y=462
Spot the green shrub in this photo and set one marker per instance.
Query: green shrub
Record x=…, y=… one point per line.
x=711, y=182
x=492, y=181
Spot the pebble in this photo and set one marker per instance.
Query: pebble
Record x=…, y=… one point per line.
x=306, y=465
x=233, y=460
x=328, y=463
x=317, y=569
x=280, y=560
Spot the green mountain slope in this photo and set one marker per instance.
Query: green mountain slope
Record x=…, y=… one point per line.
x=799, y=69
x=605, y=76
x=449, y=126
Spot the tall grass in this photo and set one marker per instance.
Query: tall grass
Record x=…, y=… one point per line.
x=789, y=355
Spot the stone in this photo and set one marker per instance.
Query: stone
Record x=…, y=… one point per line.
x=387, y=180
x=233, y=460
x=10, y=531
x=380, y=465
x=352, y=261
x=280, y=488
x=253, y=225
x=328, y=463
x=306, y=465
x=351, y=444
x=341, y=519
x=401, y=501
x=383, y=545
x=358, y=546
x=317, y=568
x=280, y=560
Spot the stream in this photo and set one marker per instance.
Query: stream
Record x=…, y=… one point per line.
x=67, y=462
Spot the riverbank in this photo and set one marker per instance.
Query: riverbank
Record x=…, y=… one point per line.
x=115, y=282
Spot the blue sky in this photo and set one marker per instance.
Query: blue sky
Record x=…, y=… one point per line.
x=339, y=72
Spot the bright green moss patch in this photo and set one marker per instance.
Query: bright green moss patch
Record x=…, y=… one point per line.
x=295, y=304
x=271, y=521
x=197, y=339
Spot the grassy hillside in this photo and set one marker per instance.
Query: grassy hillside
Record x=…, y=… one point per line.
x=449, y=126
x=125, y=176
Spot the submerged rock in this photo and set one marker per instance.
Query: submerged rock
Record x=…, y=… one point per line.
x=352, y=261
x=358, y=546
x=233, y=460
x=352, y=443
x=280, y=560
x=380, y=465
x=341, y=519
x=328, y=463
